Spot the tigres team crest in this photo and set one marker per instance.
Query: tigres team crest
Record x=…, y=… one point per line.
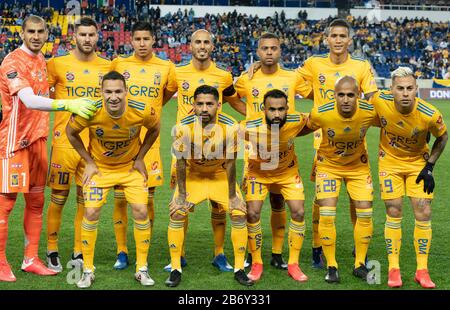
x=362, y=132
x=415, y=133
x=383, y=121
x=322, y=78
x=331, y=133
x=70, y=76
x=133, y=131
x=99, y=132
x=381, y=154
x=126, y=75
x=185, y=85
x=157, y=79
x=14, y=180
x=426, y=156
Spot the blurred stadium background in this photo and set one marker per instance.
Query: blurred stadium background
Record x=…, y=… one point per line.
x=388, y=33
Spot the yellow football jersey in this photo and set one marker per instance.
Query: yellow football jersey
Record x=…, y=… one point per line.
x=146, y=81
x=404, y=137
x=189, y=78
x=289, y=81
x=72, y=79
x=343, y=138
x=206, y=152
x=272, y=152
x=322, y=74
x=114, y=143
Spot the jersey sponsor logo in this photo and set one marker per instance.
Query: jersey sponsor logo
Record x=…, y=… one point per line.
x=255, y=92
x=400, y=141
x=155, y=165
x=331, y=133
x=57, y=166
x=185, y=85
x=12, y=75
x=383, y=121
x=83, y=91
x=99, y=132
x=157, y=79
x=70, y=76
x=322, y=78
x=16, y=165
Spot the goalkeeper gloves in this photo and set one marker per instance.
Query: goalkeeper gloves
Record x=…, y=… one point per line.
x=427, y=176
x=83, y=107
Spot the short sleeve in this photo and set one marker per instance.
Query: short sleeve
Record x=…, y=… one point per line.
x=51, y=72
x=306, y=71
x=77, y=122
x=368, y=83
x=172, y=85
x=229, y=87
x=13, y=73
x=240, y=87
x=302, y=87
x=313, y=120
x=437, y=125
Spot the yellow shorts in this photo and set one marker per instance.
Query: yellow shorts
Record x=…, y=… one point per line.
x=154, y=167
x=398, y=178
x=289, y=184
x=132, y=183
x=64, y=163
x=358, y=182
x=208, y=187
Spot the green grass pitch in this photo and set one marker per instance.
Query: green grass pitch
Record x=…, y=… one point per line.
x=200, y=274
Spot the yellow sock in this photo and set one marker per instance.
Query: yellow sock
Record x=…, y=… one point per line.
x=393, y=239
x=120, y=220
x=255, y=241
x=315, y=225
x=185, y=229
x=422, y=243
x=239, y=237
x=142, y=233
x=218, y=223
x=278, y=224
x=362, y=234
x=151, y=206
x=89, y=237
x=54, y=221
x=296, y=236
x=77, y=225
x=327, y=232
x=175, y=237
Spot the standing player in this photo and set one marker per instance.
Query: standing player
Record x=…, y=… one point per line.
x=77, y=74
x=151, y=82
x=404, y=162
x=114, y=157
x=271, y=76
x=322, y=71
x=272, y=165
x=342, y=157
x=24, y=131
x=201, y=70
x=206, y=149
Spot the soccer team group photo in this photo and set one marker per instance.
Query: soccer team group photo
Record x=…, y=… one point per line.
x=203, y=145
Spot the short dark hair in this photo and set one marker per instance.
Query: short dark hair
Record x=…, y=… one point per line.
x=114, y=75
x=206, y=90
x=269, y=35
x=87, y=22
x=275, y=93
x=33, y=19
x=339, y=23
x=142, y=26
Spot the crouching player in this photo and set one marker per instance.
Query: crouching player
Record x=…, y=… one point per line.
x=114, y=158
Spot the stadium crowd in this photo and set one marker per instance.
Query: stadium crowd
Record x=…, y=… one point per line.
x=417, y=43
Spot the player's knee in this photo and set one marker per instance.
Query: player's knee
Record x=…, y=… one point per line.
x=276, y=201
x=393, y=208
x=424, y=214
x=60, y=192
x=238, y=218
x=92, y=214
x=253, y=216
x=34, y=201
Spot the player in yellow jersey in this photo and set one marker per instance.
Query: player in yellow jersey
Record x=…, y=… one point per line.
x=114, y=157
x=205, y=145
x=404, y=162
x=273, y=166
x=75, y=75
x=151, y=82
x=201, y=70
x=342, y=157
x=271, y=76
x=322, y=72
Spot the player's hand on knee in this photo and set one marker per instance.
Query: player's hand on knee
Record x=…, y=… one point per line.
x=427, y=176
x=90, y=170
x=177, y=204
x=139, y=165
x=235, y=203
